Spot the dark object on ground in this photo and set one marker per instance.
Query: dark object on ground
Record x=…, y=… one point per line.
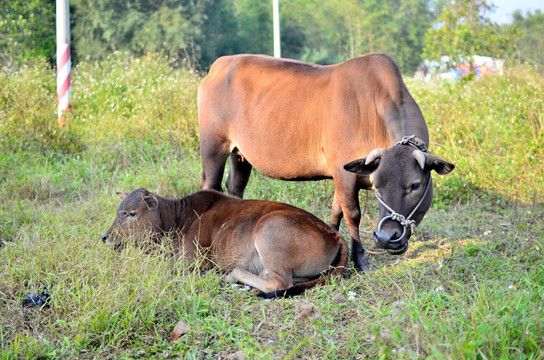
x=42, y=300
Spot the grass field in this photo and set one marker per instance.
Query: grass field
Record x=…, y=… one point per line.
x=469, y=287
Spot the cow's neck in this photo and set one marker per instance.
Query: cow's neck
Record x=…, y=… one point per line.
x=405, y=119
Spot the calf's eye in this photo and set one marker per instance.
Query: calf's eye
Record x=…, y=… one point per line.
x=132, y=213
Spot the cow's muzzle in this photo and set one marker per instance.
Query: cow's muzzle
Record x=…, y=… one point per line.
x=394, y=239
x=397, y=243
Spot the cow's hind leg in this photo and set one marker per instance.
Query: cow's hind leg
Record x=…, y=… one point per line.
x=240, y=170
x=214, y=156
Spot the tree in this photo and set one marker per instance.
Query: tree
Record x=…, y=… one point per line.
x=464, y=30
x=137, y=26
x=196, y=30
x=220, y=33
x=337, y=30
x=531, y=40
x=27, y=30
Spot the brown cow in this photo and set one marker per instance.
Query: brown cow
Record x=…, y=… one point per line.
x=264, y=244
x=297, y=121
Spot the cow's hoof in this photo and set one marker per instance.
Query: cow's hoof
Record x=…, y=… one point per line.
x=363, y=263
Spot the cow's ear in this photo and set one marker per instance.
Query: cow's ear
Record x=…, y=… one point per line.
x=361, y=167
x=122, y=194
x=438, y=164
x=367, y=165
x=151, y=202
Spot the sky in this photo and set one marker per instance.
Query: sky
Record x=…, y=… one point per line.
x=505, y=8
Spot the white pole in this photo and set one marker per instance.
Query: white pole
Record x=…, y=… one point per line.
x=276, y=11
x=64, y=85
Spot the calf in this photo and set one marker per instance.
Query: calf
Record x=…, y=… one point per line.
x=276, y=248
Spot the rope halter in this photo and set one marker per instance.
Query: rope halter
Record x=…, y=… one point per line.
x=406, y=222
x=414, y=141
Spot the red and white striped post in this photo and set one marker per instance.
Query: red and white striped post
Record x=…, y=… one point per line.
x=64, y=68
x=276, y=22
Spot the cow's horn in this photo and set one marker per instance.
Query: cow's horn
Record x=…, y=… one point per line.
x=420, y=158
x=373, y=155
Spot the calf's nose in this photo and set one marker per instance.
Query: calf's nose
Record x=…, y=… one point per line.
x=104, y=237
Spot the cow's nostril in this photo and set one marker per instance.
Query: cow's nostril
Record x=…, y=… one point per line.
x=104, y=237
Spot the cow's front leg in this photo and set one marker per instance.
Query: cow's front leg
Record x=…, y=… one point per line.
x=346, y=202
x=360, y=260
x=337, y=213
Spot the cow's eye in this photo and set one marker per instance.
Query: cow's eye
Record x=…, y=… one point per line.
x=132, y=213
x=415, y=186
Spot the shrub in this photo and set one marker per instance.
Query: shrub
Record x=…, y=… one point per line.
x=28, y=118
x=492, y=129
x=127, y=99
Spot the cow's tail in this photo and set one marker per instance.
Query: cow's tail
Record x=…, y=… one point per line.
x=338, y=265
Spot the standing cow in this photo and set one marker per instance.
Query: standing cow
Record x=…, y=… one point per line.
x=293, y=120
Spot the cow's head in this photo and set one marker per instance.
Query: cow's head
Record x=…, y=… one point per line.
x=137, y=217
x=402, y=181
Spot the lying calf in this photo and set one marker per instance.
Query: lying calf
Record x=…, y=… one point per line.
x=267, y=245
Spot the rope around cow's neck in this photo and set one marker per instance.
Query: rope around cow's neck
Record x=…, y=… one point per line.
x=406, y=222
x=414, y=141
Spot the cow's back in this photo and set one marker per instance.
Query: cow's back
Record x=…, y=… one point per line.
x=293, y=120
x=268, y=111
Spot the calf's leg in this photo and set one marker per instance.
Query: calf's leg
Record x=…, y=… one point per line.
x=266, y=283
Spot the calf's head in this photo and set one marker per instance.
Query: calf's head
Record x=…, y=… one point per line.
x=137, y=217
x=403, y=185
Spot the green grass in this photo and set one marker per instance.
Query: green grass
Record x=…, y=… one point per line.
x=470, y=285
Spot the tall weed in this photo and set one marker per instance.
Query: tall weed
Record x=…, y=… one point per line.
x=492, y=129
x=28, y=117
x=125, y=99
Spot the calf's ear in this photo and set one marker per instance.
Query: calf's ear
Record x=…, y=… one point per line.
x=151, y=202
x=122, y=194
x=438, y=164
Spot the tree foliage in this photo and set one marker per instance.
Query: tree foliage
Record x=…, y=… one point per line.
x=463, y=30
x=27, y=30
x=197, y=32
x=138, y=26
x=202, y=30
x=531, y=40
x=338, y=30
